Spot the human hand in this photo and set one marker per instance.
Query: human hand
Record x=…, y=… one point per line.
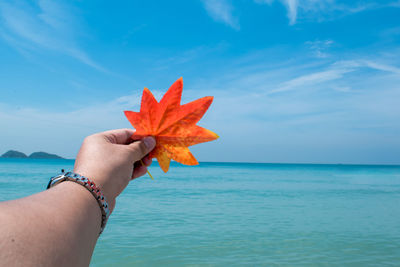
x=111, y=159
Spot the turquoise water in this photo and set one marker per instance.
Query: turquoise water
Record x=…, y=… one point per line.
x=232, y=214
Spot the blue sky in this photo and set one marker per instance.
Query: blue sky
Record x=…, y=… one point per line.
x=294, y=81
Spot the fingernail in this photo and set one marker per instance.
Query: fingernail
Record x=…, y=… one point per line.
x=150, y=142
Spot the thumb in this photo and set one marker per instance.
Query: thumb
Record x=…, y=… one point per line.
x=142, y=147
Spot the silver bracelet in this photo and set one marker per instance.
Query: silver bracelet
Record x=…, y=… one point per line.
x=89, y=185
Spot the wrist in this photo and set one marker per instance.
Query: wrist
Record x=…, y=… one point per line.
x=74, y=202
x=90, y=186
x=102, y=182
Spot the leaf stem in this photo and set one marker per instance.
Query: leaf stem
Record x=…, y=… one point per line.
x=147, y=170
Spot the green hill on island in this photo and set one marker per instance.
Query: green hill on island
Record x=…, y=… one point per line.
x=14, y=154
x=43, y=155
x=35, y=155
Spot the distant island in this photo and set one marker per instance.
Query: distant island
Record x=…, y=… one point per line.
x=13, y=154
x=35, y=155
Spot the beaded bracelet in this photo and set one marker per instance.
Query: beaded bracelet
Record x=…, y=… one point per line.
x=89, y=185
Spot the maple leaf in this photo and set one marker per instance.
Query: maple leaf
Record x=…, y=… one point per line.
x=173, y=125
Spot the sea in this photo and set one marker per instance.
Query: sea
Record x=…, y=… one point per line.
x=241, y=214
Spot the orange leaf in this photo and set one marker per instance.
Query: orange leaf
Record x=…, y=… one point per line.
x=173, y=125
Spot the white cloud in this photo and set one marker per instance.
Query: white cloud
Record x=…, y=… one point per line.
x=334, y=112
x=291, y=6
x=311, y=80
x=47, y=25
x=325, y=9
x=320, y=48
x=222, y=11
x=382, y=67
x=61, y=131
x=295, y=110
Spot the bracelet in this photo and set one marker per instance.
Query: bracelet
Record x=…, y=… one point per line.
x=89, y=185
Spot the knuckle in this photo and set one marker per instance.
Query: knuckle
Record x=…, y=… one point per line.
x=91, y=138
x=87, y=139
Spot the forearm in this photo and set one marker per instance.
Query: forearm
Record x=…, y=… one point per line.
x=57, y=227
x=60, y=226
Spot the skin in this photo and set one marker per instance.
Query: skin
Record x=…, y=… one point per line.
x=60, y=226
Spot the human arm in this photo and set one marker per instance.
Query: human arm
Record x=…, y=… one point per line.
x=60, y=226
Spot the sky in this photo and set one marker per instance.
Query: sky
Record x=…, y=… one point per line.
x=294, y=81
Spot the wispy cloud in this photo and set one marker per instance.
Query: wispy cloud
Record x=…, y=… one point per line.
x=325, y=9
x=222, y=11
x=319, y=48
x=51, y=131
x=45, y=25
x=382, y=67
x=297, y=111
x=291, y=6
x=311, y=79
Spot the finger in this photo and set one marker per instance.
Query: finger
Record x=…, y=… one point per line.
x=119, y=136
x=140, y=149
x=147, y=161
x=139, y=171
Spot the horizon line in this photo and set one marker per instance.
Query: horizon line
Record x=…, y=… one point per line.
x=243, y=162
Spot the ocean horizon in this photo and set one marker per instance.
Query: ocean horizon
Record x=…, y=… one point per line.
x=241, y=214
x=239, y=162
